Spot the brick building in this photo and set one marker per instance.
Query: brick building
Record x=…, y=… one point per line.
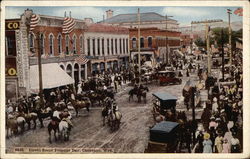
x=155, y=40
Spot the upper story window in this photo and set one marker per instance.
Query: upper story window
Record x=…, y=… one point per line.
x=42, y=44
x=51, y=44
x=98, y=46
x=108, y=46
x=67, y=45
x=134, y=43
x=142, y=42
x=74, y=44
x=88, y=46
x=120, y=41
x=31, y=40
x=116, y=46
x=112, y=47
x=59, y=43
x=93, y=45
x=102, y=46
x=81, y=43
x=150, y=42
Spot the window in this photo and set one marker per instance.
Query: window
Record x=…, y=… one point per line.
x=150, y=42
x=116, y=46
x=74, y=44
x=93, y=45
x=81, y=44
x=124, y=45
x=127, y=46
x=59, y=43
x=98, y=46
x=10, y=43
x=42, y=43
x=102, y=46
x=51, y=47
x=88, y=46
x=31, y=40
x=134, y=43
x=108, y=46
x=120, y=46
x=67, y=44
x=112, y=47
x=142, y=42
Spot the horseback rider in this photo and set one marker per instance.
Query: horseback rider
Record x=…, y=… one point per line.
x=66, y=115
x=56, y=115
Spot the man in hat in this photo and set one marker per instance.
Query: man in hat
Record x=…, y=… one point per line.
x=66, y=115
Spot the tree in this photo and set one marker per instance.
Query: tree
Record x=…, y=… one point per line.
x=200, y=42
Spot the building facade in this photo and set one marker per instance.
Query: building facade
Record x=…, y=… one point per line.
x=107, y=47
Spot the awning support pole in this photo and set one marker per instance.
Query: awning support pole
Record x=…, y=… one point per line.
x=40, y=47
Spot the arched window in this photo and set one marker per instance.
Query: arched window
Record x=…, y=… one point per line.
x=81, y=44
x=42, y=44
x=142, y=42
x=150, y=42
x=31, y=40
x=67, y=45
x=51, y=44
x=74, y=44
x=59, y=43
x=69, y=70
x=134, y=43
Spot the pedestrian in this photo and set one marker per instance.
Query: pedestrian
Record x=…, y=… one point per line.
x=214, y=105
x=226, y=146
x=207, y=144
x=235, y=144
x=218, y=142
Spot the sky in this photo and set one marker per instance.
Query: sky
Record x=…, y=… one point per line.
x=184, y=15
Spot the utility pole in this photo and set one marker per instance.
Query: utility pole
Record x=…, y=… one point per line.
x=166, y=42
x=222, y=50
x=207, y=22
x=229, y=36
x=139, y=45
x=40, y=47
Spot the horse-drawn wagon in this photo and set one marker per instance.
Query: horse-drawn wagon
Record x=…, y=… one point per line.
x=164, y=104
x=163, y=138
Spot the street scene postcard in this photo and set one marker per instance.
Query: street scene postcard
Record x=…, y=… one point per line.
x=109, y=79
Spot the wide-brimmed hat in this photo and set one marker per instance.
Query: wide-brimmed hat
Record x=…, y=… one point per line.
x=206, y=136
x=212, y=118
x=217, y=119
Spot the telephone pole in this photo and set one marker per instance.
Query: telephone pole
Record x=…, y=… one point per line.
x=229, y=36
x=139, y=45
x=207, y=22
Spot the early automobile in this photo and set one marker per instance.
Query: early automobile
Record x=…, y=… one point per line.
x=168, y=77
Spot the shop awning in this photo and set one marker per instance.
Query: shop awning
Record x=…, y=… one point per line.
x=52, y=75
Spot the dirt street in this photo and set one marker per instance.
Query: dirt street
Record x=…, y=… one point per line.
x=88, y=131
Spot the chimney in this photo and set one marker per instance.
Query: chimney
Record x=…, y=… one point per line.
x=109, y=14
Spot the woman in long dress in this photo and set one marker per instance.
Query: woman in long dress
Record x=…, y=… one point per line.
x=207, y=144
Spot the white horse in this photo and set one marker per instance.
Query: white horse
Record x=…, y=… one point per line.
x=64, y=129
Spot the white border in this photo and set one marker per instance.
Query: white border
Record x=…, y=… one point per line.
x=246, y=74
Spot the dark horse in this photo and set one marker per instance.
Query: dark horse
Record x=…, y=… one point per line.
x=142, y=92
x=132, y=92
x=53, y=125
x=43, y=114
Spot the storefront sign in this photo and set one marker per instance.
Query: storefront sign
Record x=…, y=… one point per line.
x=12, y=25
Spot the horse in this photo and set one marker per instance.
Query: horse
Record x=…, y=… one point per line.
x=142, y=92
x=43, y=114
x=80, y=104
x=114, y=119
x=13, y=123
x=64, y=130
x=30, y=117
x=53, y=125
x=131, y=93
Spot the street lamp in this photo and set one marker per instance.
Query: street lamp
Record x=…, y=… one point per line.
x=166, y=42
